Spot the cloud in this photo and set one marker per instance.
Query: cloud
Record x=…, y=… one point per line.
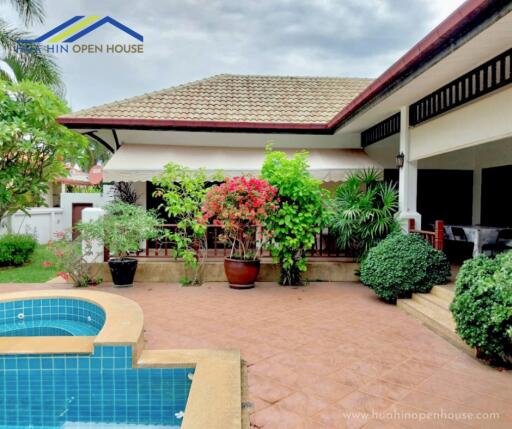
x=186, y=40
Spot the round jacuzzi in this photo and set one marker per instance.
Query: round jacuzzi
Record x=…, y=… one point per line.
x=50, y=317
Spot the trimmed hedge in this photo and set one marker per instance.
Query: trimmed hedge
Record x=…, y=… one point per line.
x=16, y=249
x=482, y=307
x=402, y=264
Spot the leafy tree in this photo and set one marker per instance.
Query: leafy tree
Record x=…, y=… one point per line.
x=183, y=191
x=363, y=211
x=33, y=145
x=301, y=213
x=31, y=63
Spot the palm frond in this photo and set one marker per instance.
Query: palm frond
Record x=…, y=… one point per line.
x=30, y=11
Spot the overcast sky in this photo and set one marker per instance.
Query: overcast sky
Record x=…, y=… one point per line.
x=185, y=40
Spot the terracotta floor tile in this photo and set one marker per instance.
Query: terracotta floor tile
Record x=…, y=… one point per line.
x=267, y=389
x=328, y=390
x=303, y=404
x=364, y=402
x=336, y=418
x=393, y=392
x=327, y=343
x=275, y=417
x=380, y=424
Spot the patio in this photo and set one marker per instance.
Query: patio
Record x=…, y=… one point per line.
x=318, y=353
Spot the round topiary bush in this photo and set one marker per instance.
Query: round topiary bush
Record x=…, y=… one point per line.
x=402, y=264
x=482, y=307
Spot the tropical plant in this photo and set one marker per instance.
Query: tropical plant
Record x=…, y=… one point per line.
x=482, y=307
x=125, y=192
x=30, y=62
x=183, y=192
x=71, y=260
x=363, y=211
x=300, y=215
x=16, y=249
x=33, y=145
x=241, y=206
x=121, y=229
x=402, y=264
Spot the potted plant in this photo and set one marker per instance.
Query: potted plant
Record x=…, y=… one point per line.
x=240, y=206
x=121, y=230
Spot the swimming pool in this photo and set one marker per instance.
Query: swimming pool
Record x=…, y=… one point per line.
x=81, y=390
x=100, y=390
x=50, y=317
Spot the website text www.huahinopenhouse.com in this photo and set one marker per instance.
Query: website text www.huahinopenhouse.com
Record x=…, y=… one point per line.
x=398, y=415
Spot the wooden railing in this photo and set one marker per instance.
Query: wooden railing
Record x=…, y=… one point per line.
x=493, y=74
x=434, y=238
x=325, y=245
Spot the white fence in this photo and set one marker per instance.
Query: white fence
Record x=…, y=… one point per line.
x=43, y=223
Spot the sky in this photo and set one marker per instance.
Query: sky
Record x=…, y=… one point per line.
x=186, y=40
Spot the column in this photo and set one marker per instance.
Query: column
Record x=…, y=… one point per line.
x=408, y=176
x=477, y=195
x=93, y=252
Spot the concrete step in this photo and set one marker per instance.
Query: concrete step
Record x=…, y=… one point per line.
x=429, y=298
x=435, y=317
x=444, y=292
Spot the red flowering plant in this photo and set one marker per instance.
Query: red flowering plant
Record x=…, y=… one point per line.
x=240, y=205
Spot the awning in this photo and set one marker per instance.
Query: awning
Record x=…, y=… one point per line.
x=140, y=163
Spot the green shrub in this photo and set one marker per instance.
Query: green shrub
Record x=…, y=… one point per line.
x=16, y=249
x=364, y=209
x=301, y=213
x=473, y=270
x=482, y=307
x=402, y=264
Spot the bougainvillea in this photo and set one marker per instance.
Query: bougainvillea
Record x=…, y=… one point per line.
x=241, y=205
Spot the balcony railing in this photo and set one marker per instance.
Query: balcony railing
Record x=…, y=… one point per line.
x=325, y=246
x=434, y=238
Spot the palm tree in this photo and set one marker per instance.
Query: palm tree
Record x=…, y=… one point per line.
x=31, y=64
x=364, y=209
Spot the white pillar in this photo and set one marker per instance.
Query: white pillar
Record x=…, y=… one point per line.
x=408, y=176
x=477, y=195
x=93, y=252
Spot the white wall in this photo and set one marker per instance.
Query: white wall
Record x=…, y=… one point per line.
x=486, y=119
x=140, y=189
x=43, y=223
x=68, y=199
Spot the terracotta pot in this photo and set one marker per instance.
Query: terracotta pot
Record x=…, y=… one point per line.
x=241, y=274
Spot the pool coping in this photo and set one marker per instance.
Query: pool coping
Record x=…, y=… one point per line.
x=124, y=324
x=214, y=400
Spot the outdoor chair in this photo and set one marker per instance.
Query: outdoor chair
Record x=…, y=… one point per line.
x=458, y=249
x=502, y=244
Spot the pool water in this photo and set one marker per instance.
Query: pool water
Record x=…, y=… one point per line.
x=50, y=317
x=81, y=391
x=100, y=390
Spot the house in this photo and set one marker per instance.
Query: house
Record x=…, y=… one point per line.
x=438, y=122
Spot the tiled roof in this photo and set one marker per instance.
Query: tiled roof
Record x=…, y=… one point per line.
x=236, y=98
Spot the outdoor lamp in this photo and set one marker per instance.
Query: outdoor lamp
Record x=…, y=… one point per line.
x=399, y=160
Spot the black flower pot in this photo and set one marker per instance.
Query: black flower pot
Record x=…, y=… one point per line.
x=123, y=271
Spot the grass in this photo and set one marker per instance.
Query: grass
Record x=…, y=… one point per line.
x=33, y=271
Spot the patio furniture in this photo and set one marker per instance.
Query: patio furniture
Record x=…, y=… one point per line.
x=503, y=243
x=478, y=235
